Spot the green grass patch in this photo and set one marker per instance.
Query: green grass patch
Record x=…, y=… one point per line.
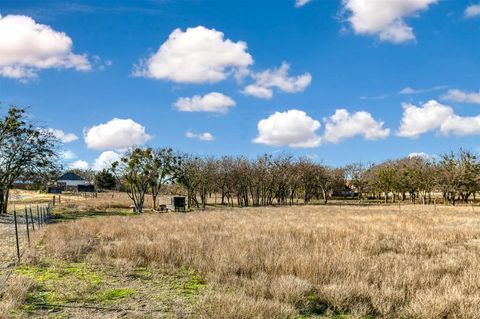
x=194, y=283
x=60, y=282
x=64, y=283
x=115, y=294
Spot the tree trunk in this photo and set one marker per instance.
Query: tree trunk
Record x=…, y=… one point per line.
x=154, y=201
x=5, y=196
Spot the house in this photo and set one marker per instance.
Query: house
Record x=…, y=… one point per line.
x=71, y=181
x=23, y=184
x=344, y=190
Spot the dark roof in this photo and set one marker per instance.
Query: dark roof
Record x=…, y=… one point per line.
x=70, y=177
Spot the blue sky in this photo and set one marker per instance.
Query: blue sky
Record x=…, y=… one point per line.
x=338, y=102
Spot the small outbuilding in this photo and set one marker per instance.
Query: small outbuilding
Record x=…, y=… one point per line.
x=179, y=203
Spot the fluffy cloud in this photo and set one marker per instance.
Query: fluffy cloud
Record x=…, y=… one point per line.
x=105, y=160
x=205, y=136
x=258, y=91
x=62, y=136
x=301, y=3
x=435, y=116
x=293, y=128
x=384, y=18
x=78, y=165
x=27, y=46
x=68, y=155
x=277, y=78
x=419, y=154
x=461, y=96
x=343, y=125
x=472, y=11
x=211, y=102
x=419, y=120
x=197, y=55
x=115, y=134
x=461, y=126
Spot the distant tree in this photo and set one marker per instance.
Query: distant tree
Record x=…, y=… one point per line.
x=356, y=175
x=328, y=178
x=25, y=151
x=105, y=179
x=307, y=173
x=385, y=178
x=135, y=170
x=408, y=177
x=470, y=174
x=449, y=176
x=165, y=169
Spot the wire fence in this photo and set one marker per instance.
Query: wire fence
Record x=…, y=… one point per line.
x=16, y=233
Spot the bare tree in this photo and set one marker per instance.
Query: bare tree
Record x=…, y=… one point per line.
x=165, y=169
x=25, y=152
x=135, y=171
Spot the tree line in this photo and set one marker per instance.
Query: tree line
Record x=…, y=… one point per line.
x=285, y=179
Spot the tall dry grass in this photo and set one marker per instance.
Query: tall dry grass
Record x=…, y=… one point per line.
x=278, y=262
x=14, y=294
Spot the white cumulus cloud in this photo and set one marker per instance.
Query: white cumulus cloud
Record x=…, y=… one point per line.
x=419, y=154
x=116, y=134
x=27, y=46
x=211, y=102
x=277, y=78
x=383, y=18
x=419, y=120
x=68, y=155
x=433, y=116
x=258, y=91
x=62, y=136
x=462, y=96
x=343, y=125
x=205, y=136
x=196, y=55
x=472, y=11
x=80, y=164
x=105, y=160
x=292, y=128
x=461, y=126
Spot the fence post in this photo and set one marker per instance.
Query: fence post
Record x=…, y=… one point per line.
x=53, y=200
x=31, y=217
x=16, y=232
x=39, y=221
x=26, y=224
x=47, y=212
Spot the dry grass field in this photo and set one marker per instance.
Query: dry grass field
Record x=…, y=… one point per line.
x=278, y=262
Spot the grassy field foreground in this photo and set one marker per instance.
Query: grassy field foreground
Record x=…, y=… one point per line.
x=285, y=262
